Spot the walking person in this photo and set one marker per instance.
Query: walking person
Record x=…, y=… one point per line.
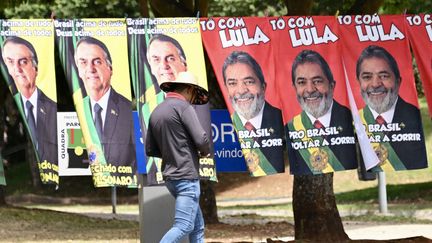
x=176, y=135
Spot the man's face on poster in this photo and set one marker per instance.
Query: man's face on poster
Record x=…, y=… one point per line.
x=245, y=90
x=93, y=69
x=314, y=90
x=165, y=61
x=378, y=84
x=21, y=67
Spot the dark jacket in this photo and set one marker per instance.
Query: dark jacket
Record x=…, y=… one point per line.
x=176, y=135
x=46, y=121
x=118, y=139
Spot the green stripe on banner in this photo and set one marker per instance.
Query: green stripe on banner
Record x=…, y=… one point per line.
x=263, y=163
x=392, y=156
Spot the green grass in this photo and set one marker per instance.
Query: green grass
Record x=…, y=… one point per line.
x=23, y=224
x=418, y=192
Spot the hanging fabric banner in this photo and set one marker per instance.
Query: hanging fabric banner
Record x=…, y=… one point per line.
x=311, y=84
x=420, y=36
x=27, y=50
x=160, y=50
x=379, y=67
x=93, y=53
x=241, y=52
x=2, y=175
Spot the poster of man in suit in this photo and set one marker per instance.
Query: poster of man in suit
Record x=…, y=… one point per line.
x=384, y=90
x=245, y=71
x=94, y=55
x=311, y=84
x=29, y=66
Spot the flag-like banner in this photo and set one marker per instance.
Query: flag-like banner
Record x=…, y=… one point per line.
x=242, y=55
x=311, y=84
x=27, y=50
x=376, y=54
x=420, y=36
x=94, y=55
x=159, y=50
x=288, y=82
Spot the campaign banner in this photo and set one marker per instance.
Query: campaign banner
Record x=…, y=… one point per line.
x=159, y=50
x=27, y=65
x=241, y=52
x=420, y=36
x=310, y=81
x=2, y=175
x=379, y=68
x=73, y=159
x=93, y=53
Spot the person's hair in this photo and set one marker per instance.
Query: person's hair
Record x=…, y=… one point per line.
x=381, y=53
x=178, y=87
x=309, y=56
x=245, y=58
x=93, y=41
x=21, y=41
x=165, y=38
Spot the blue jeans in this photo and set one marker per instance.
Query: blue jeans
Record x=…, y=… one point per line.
x=188, y=216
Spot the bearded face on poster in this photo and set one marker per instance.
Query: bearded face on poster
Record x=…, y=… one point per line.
x=387, y=115
x=246, y=87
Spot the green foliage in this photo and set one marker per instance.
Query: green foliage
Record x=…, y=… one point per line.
x=406, y=6
x=331, y=7
x=28, y=10
x=247, y=8
x=96, y=9
x=74, y=9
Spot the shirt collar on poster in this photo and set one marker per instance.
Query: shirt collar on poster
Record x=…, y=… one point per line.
x=256, y=121
x=33, y=99
x=324, y=119
x=103, y=102
x=388, y=115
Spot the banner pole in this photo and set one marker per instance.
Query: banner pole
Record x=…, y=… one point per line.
x=114, y=199
x=382, y=192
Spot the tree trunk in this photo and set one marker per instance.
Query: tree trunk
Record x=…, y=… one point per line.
x=316, y=216
x=208, y=202
x=299, y=8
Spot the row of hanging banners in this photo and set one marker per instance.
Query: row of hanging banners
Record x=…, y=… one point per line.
x=325, y=88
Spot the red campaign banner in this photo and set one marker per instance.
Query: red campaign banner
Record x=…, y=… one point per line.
x=420, y=36
x=378, y=63
x=241, y=52
x=310, y=81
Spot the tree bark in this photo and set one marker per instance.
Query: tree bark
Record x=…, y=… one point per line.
x=316, y=216
x=144, y=9
x=299, y=8
x=365, y=7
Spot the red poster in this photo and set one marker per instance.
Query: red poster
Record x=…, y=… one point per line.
x=420, y=35
x=310, y=81
x=378, y=63
x=241, y=52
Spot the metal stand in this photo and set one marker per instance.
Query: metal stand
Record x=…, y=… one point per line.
x=382, y=192
x=114, y=199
